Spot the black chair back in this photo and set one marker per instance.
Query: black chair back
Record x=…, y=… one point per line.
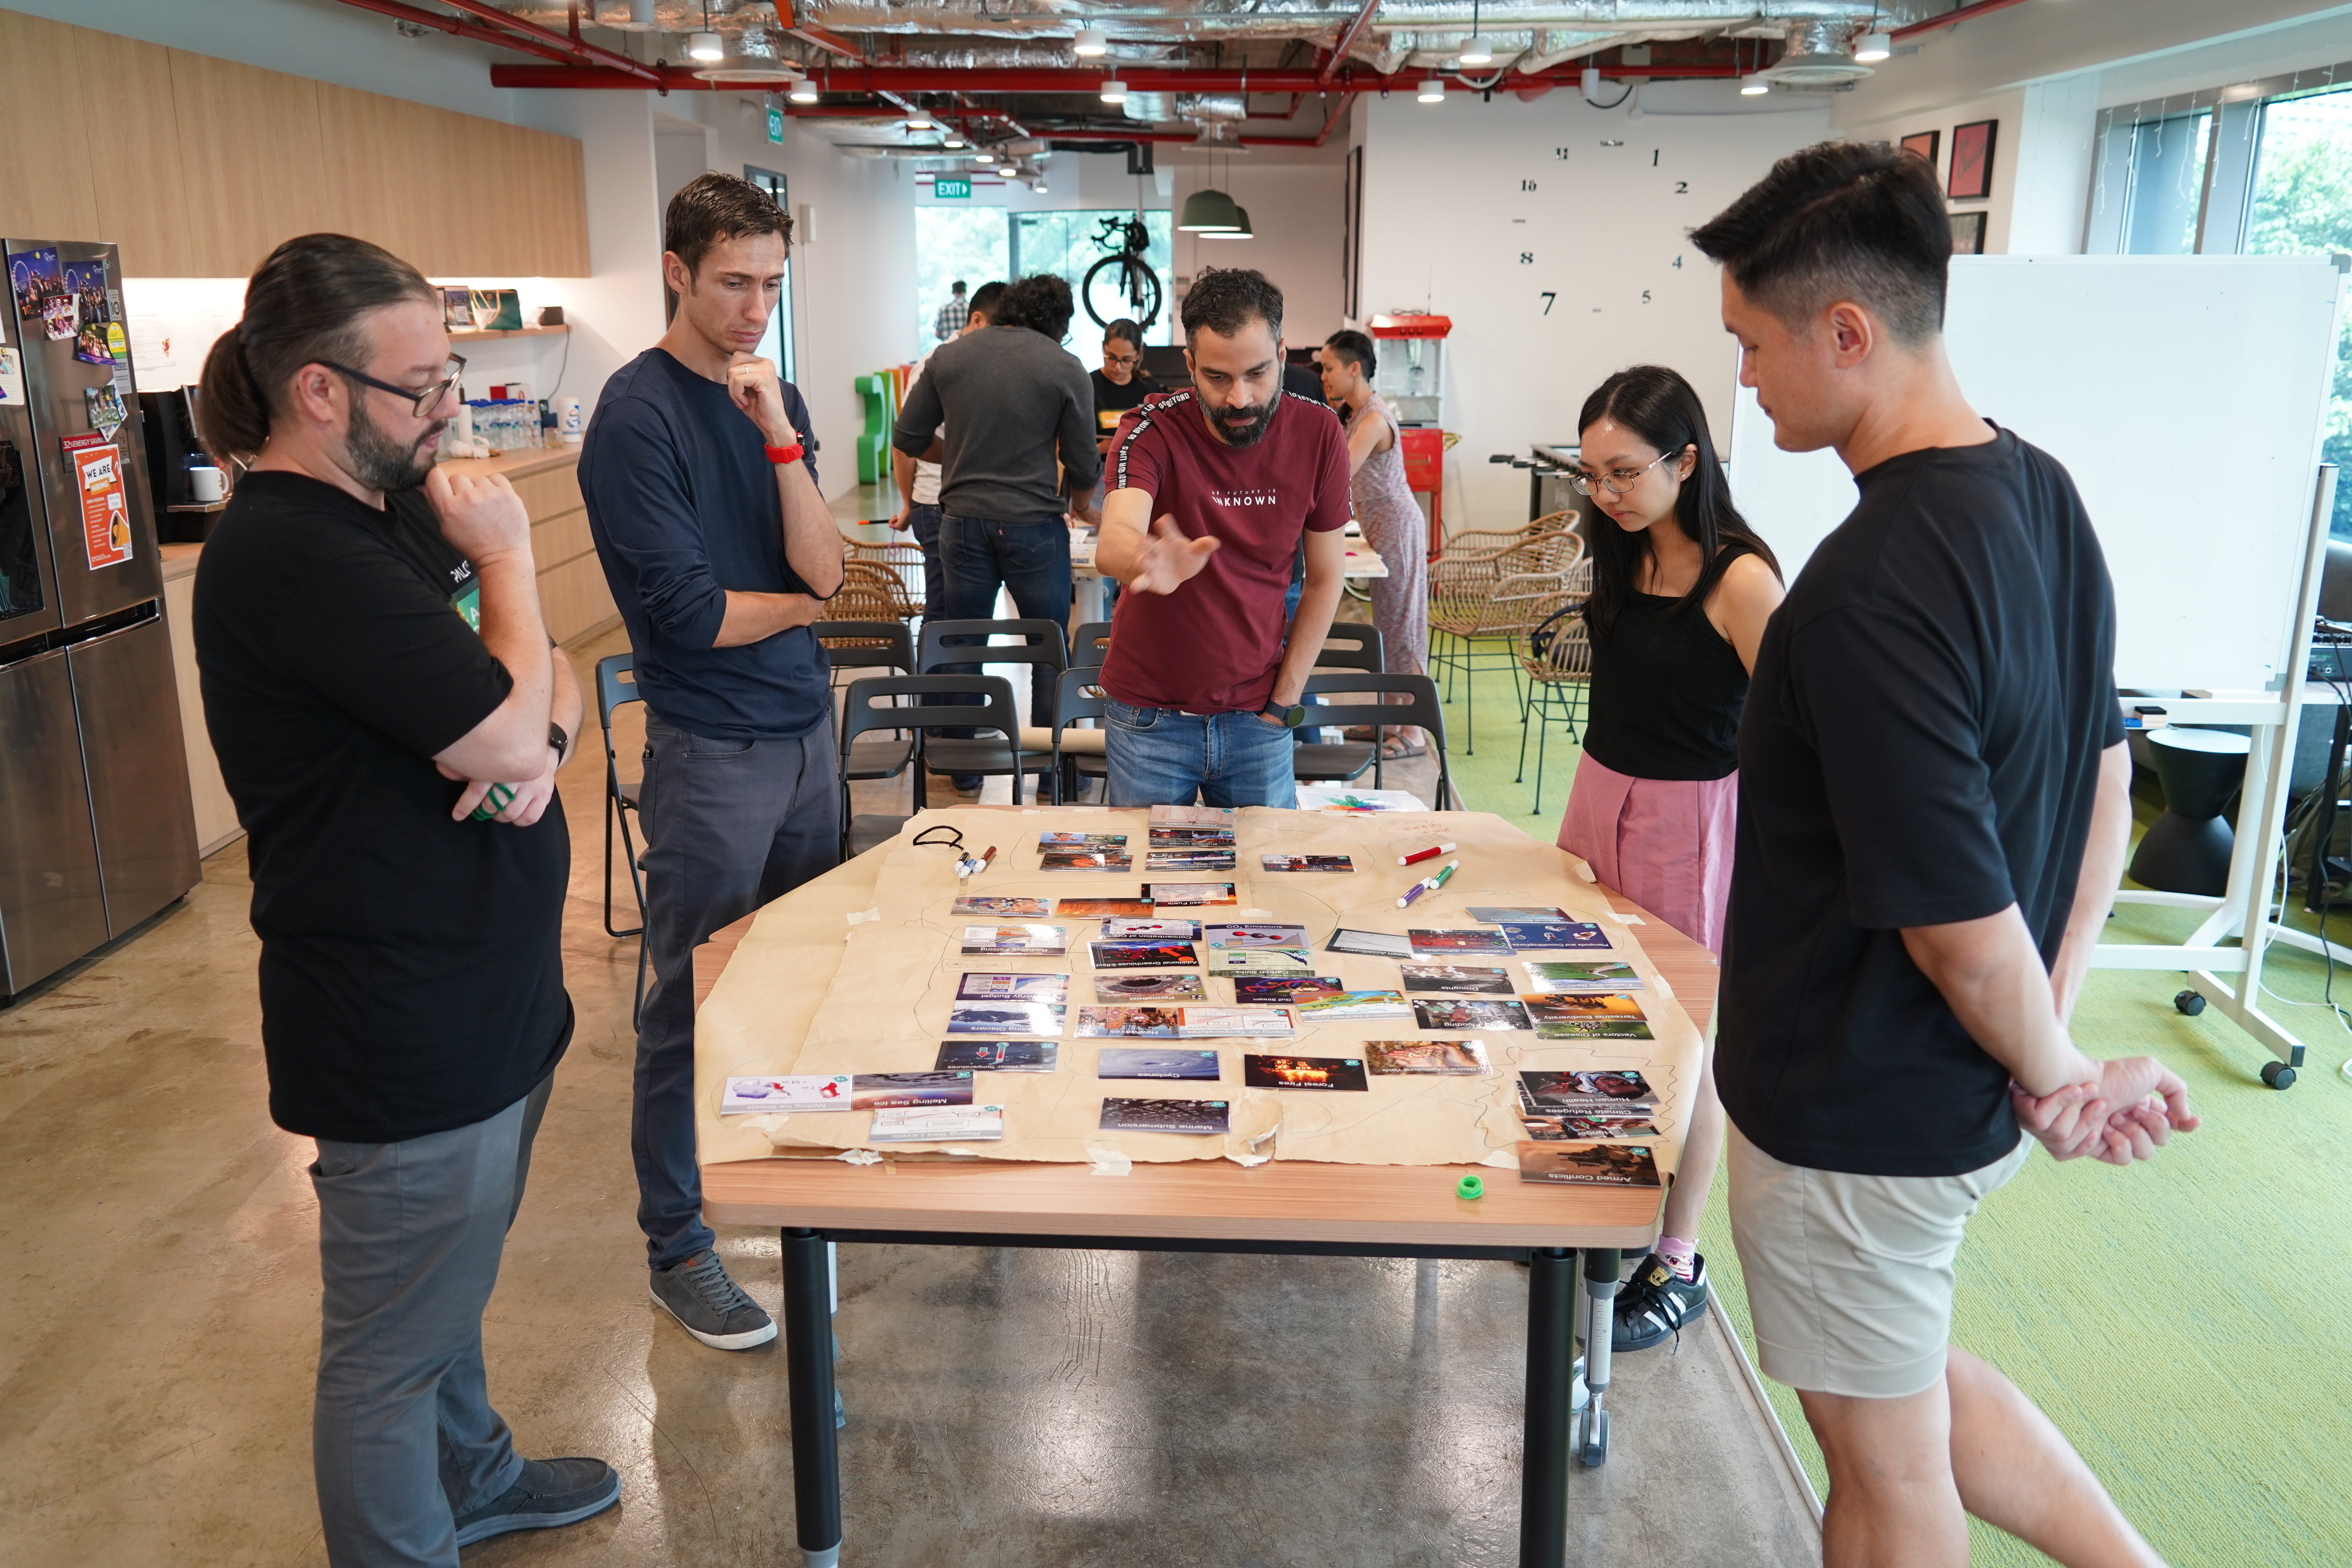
x=1423, y=709
x=1075, y=697
x=867, y=645
x=1042, y=643
x=872, y=704
x=1089, y=643
x=1350, y=644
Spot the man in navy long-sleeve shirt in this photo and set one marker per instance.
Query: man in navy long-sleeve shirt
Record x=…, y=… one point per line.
x=700, y=480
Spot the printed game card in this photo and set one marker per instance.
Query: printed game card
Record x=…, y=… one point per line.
x=1141, y=954
x=1374, y=943
x=1166, y=1116
x=1130, y=929
x=1039, y=941
x=1451, y=1059
x=1566, y=1128
x=998, y=1056
x=1590, y=1164
x=882, y=1090
x=1149, y=1061
x=1307, y=862
x=1188, y=861
x=1287, y=988
x=1236, y=961
x=1304, y=1072
x=1468, y=940
x=825, y=1092
x=1457, y=979
x=1256, y=935
x=1211, y=817
x=1149, y=988
x=1431, y=1014
x=999, y=909
x=937, y=1124
x=1085, y=860
x=1588, y=1016
x=1164, y=895
x=1192, y=838
x=1116, y=1023
x=1102, y=909
x=1245, y=1023
x=1014, y=988
x=1005, y=1018
x=1607, y=1089
x=1067, y=841
x=1497, y=914
x=1566, y=978
x=1354, y=1005
x=1529, y=936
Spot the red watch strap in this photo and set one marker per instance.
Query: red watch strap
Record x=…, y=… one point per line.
x=790, y=454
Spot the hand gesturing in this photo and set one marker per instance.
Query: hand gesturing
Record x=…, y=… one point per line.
x=1170, y=559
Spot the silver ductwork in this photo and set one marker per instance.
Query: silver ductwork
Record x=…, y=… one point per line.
x=1819, y=58
x=1211, y=106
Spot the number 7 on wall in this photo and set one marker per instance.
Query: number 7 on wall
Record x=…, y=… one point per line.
x=1548, y=296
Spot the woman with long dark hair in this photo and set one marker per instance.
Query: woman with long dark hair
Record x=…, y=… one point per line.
x=1681, y=590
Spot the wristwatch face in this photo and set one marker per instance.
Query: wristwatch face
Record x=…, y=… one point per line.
x=1294, y=717
x=558, y=739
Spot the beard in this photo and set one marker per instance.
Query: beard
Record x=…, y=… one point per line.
x=382, y=463
x=1261, y=419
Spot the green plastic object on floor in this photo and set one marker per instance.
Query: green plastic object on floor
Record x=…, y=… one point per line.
x=873, y=441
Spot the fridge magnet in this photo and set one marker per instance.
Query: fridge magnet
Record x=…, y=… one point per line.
x=1972, y=176
x=1925, y=144
x=105, y=505
x=86, y=281
x=1967, y=234
x=35, y=279
x=105, y=411
x=117, y=345
x=12, y=378
x=57, y=318
x=89, y=343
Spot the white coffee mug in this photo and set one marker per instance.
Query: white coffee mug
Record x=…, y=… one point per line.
x=205, y=485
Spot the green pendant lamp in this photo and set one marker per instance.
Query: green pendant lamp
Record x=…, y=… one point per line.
x=1209, y=212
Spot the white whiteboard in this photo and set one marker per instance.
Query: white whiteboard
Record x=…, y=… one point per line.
x=2187, y=395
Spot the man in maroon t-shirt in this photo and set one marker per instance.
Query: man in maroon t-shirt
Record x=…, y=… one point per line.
x=1211, y=490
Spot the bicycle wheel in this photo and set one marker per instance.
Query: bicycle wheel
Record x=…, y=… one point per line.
x=1121, y=285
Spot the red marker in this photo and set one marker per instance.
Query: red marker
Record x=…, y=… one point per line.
x=1430, y=854
x=986, y=856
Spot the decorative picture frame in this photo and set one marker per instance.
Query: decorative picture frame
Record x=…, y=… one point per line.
x=1971, y=179
x=1927, y=144
x=1968, y=233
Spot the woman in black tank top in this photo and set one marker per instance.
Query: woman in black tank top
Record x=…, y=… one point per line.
x=1681, y=590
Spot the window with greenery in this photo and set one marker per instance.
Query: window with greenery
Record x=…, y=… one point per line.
x=980, y=245
x=2303, y=204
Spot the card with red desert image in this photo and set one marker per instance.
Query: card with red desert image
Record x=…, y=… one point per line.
x=1103, y=909
x=1457, y=979
x=1430, y=1013
x=1590, y=1164
x=1566, y=1128
x=1304, y=1072
x=1610, y=1090
x=1464, y=940
x=1588, y=1016
x=1450, y=1058
x=1166, y=1116
x=1085, y=860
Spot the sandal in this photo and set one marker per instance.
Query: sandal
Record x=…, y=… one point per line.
x=1394, y=750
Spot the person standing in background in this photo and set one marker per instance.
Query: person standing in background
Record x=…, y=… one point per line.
x=700, y=479
x=1681, y=590
x=1394, y=523
x=953, y=315
x=395, y=769
x=1122, y=381
x=919, y=478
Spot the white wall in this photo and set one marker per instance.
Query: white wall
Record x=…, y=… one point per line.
x=1294, y=202
x=1447, y=221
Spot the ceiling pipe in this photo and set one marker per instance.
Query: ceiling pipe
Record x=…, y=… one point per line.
x=457, y=29
x=532, y=30
x=1348, y=36
x=1338, y=112
x=1966, y=12
x=915, y=78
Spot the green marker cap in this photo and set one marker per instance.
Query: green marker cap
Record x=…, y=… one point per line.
x=1470, y=1187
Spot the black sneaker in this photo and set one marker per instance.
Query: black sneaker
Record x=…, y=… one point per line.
x=699, y=1294
x=1655, y=1302
x=549, y=1493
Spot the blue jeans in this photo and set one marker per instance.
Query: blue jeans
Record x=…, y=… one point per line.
x=1163, y=756
x=1030, y=556
x=730, y=826
x=923, y=522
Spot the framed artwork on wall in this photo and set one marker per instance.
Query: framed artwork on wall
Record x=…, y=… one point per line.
x=1967, y=234
x=1351, y=240
x=1924, y=143
x=1972, y=176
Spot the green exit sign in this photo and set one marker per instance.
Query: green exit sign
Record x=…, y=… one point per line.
x=952, y=190
x=775, y=124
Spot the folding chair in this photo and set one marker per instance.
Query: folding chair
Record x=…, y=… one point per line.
x=1077, y=753
x=1349, y=645
x=1422, y=710
x=869, y=644
x=873, y=704
x=616, y=683
x=1042, y=647
x=1089, y=643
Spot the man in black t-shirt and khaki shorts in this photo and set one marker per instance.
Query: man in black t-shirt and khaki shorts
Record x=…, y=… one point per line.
x=1933, y=812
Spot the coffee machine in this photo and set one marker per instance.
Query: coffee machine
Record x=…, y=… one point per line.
x=172, y=448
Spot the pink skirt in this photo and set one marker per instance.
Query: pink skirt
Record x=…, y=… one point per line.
x=1665, y=843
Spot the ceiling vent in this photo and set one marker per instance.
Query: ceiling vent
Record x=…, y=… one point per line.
x=1818, y=61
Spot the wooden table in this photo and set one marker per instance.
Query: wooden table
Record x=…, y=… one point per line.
x=1292, y=1208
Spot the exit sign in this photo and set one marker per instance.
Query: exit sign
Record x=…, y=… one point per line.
x=952, y=190
x=775, y=124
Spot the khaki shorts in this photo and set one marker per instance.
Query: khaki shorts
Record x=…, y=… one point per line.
x=1849, y=1277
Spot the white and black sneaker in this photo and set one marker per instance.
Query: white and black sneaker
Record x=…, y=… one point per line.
x=707, y=1302
x=1656, y=1302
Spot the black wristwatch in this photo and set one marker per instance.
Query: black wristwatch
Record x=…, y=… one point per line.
x=561, y=741
x=1288, y=718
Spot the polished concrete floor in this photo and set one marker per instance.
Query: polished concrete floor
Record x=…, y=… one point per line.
x=158, y=1329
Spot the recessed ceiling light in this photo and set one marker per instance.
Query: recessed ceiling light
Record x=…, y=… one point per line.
x=1478, y=51
x=1755, y=86
x=704, y=46
x=1873, y=46
x=1433, y=90
x=920, y=123
x=1114, y=90
x=953, y=141
x=1090, y=44
x=983, y=156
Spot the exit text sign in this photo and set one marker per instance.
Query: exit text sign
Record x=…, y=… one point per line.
x=775, y=124
x=952, y=190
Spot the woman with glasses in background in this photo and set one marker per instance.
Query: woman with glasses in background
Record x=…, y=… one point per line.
x=1121, y=383
x=1681, y=590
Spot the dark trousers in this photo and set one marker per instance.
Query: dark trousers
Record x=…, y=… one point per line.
x=923, y=522
x=1029, y=556
x=731, y=826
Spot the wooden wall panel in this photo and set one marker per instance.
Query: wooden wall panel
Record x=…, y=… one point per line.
x=249, y=146
x=559, y=539
x=574, y=600
x=142, y=188
x=46, y=188
x=555, y=490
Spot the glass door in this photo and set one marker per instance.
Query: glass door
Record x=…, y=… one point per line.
x=777, y=344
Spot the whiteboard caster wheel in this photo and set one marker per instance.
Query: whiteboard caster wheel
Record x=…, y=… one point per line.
x=1592, y=1440
x=2278, y=1075
x=2190, y=1001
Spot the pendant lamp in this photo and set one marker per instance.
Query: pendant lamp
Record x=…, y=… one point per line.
x=1209, y=212
x=1242, y=231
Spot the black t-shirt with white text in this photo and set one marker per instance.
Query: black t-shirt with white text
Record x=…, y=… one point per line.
x=1920, y=745
x=411, y=976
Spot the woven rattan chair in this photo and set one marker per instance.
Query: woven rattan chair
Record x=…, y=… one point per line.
x=870, y=592
x=903, y=561
x=1494, y=594
x=1558, y=675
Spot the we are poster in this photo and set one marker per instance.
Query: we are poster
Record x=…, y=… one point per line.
x=105, y=505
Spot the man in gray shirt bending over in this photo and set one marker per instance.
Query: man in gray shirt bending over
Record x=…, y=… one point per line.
x=1011, y=396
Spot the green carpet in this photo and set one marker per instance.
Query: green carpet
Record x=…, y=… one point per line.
x=2177, y=1319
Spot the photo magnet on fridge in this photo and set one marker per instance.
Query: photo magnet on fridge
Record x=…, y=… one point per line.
x=35, y=279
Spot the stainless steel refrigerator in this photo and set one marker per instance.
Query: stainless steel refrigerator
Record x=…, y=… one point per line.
x=97, y=831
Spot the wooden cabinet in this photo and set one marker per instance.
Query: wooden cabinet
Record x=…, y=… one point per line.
x=573, y=595
x=199, y=167
x=216, y=821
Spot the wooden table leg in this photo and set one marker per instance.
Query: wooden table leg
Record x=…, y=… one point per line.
x=1551, y=1356
x=808, y=1363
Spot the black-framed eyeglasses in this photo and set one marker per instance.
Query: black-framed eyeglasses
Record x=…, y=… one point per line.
x=1112, y=359
x=422, y=403
x=1620, y=480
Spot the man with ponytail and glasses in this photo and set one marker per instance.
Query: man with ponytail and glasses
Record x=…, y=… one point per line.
x=389, y=716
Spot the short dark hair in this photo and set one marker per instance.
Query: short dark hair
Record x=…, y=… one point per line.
x=712, y=207
x=1225, y=298
x=955, y=287
x=1123, y=331
x=984, y=299
x=1354, y=348
x=1855, y=220
x=1041, y=303
x=305, y=305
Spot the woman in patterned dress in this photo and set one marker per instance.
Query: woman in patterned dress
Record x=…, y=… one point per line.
x=1394, y=523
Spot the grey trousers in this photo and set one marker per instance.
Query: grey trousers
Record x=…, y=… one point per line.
x=403, y=1437
x=730, y=826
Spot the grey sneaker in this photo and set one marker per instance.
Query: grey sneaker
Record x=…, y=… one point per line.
x=549, y=1493
x=701, y=1296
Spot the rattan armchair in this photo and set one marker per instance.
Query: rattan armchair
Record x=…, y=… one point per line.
x=1559, y=674
x=1494, y=594
x=869, y=593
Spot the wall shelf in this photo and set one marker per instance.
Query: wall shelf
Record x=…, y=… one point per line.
x=474, y=334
